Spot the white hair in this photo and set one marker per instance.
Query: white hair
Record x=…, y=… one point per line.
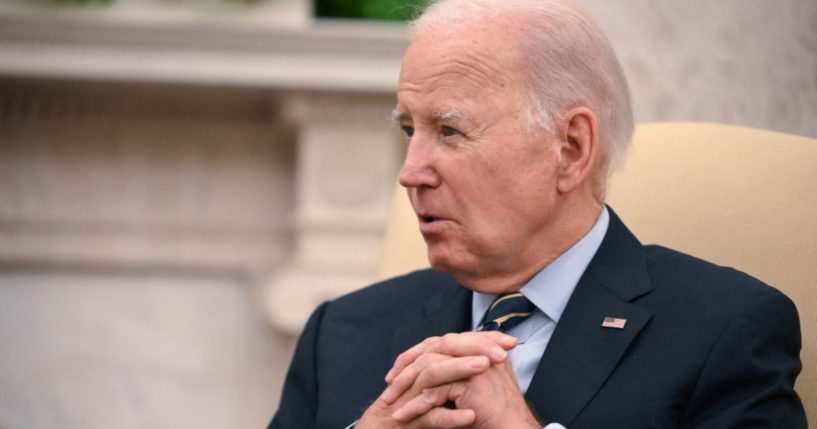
x=571, y=64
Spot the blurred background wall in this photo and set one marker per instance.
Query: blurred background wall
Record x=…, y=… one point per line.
x=181, y=182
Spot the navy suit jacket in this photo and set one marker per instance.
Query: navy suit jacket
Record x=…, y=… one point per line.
x=703, y=347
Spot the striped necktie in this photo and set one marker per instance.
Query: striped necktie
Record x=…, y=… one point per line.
x=507, y=311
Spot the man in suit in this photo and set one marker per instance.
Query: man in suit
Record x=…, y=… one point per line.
x=542, y=309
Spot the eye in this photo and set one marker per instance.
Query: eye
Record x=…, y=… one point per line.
x=448, y=131
x=408, y=130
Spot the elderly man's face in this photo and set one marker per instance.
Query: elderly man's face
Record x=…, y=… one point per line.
x=481, y=181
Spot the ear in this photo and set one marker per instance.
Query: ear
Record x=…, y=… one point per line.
x=579, y=143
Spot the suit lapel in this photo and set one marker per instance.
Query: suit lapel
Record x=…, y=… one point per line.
x=449, y=310
x=581, y=353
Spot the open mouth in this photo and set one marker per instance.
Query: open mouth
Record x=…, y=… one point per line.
x=427, y=219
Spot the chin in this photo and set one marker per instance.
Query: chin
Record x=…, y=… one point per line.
x=463, y=274
x=468, y=276
x=442, y=262
x=462, y=266
x=439, y=264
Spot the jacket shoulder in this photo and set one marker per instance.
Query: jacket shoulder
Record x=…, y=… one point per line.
x=686, y=277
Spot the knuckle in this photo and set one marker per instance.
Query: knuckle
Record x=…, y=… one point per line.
x=457, y=390
x=435, y=373
x=429, y=395
x=403, y=380
x=398, y=383
x=429, y=376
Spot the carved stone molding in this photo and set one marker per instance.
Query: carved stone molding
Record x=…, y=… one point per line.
x=102, y=175
x=347, y=162
x=340, y=108
x=280, y=13
x=309, y=182
x=336, y=56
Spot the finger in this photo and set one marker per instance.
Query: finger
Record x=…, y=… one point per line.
x=443, y=418
x=431, y=370
x=492, y=344
x=408, y=357
x=506, y=341
x=451, y=370
x=403, y=381
x=421, y=404
x=436, y=382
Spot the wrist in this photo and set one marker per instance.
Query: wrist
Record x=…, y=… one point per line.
x=374, y=416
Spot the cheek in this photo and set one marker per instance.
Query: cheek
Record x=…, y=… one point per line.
x=493, y=220
x=525, y=198
x=498, y=185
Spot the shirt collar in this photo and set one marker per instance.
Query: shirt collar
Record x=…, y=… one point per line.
x=550, y=289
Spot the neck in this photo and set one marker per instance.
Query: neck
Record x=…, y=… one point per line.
x=570, y=224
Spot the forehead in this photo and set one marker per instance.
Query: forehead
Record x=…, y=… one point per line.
x=465, y=62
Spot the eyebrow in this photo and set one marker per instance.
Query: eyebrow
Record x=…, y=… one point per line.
x=438, y=115
x=398, y=115
x=445, y=115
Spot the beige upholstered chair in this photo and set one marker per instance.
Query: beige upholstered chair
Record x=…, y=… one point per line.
x=735, y=196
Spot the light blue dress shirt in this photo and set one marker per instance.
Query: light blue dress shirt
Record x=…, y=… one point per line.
x=549, y=291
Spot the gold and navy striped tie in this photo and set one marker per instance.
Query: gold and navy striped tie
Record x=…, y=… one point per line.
x=507, y=311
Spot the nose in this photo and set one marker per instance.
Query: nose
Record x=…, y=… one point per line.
x=418, y=169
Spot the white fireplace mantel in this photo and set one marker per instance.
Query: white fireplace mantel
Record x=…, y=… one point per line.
x=332, y=55
x=304, y=224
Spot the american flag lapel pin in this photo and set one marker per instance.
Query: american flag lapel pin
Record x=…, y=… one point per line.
x=612, y=322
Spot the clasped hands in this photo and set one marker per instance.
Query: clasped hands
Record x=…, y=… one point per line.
x=470, y=371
